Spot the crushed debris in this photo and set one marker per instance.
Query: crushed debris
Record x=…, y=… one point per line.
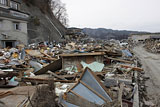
x=83, y=71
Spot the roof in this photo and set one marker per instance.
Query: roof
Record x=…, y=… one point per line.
x=82, y=54
x=155, y=37
x=13, y=14
x=90, y=88
x=8, y=40
x=19, y=1
x=146, y=34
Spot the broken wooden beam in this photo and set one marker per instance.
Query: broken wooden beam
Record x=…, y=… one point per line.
x=120, y=93
x=54, y=66
x=133, y=68
x=41, y=81
x=46, y=54
x=79, y=101
x=9, y=74
x=55, y=75
x=46, y=58
x=5, y=93
x=120, y=60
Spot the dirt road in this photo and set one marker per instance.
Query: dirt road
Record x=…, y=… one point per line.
x=151, y=64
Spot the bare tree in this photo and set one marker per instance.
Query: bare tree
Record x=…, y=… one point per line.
x=59, y=10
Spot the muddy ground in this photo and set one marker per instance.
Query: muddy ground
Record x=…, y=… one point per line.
x=151, y=65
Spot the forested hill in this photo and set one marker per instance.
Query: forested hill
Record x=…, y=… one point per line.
x=103, y=33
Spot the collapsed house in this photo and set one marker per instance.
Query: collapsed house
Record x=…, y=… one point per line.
x=71, y=74
x=75, y=60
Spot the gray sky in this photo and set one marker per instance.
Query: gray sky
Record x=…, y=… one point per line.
x=141, y=15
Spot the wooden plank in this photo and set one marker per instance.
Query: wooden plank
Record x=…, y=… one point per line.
x=80, y=101
x=55, y=75
x=46, y=54
x=78, y=64
x=82, y=54
x=133, y=68
x=90, y=59
x=120, y=60
x=45, y=58
x=42, y=81
x=69, y=76
x=54, y=66
x=5, y=93
x=9, y=74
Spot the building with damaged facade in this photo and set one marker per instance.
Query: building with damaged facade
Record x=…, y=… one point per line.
x=143, y=37
x=13, y=24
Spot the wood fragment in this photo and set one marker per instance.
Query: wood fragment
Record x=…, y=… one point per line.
x=80, y=101
x=120, y=93
x=120, y=60
x=133, y=68
x=55, y=75
x=46, y=54
x=41, y=81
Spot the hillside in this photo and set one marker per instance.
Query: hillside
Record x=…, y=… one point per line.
x=42, y=25
x=103, y=33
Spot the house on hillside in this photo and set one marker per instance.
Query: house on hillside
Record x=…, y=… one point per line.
x=13, y=24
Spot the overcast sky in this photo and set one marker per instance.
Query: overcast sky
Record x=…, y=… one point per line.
x=141, y=15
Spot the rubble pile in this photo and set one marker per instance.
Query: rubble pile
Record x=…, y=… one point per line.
x=83, y=73
x=152, y=46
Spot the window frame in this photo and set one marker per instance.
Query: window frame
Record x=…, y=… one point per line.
x=3, y=2
x=17, y=26
x=1, y=23
x=14, y=5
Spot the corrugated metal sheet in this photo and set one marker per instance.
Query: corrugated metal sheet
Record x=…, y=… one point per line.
x=89, y=79
x=66, y=104
x=90, y=89
x=88, y=94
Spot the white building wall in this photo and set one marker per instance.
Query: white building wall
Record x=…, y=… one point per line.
x=136, y=38
x=23, y=27
x=8, y=28
x=7, y=25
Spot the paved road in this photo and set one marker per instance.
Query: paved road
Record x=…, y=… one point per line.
x=151, y=65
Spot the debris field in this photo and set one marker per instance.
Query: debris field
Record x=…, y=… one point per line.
x=81, y=72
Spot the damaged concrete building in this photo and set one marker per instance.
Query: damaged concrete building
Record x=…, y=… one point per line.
x=13, y=24
x=142, y=37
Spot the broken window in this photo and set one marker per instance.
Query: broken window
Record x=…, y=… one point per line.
x=4, y=2
x=17, y=26
x=9, y=44
x=14, y=5
x=0, y=23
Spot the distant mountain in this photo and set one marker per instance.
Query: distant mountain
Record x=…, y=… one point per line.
x=102, y=33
